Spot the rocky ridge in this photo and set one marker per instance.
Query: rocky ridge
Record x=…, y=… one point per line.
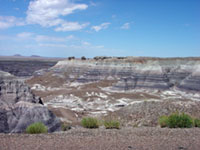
x=19, y=107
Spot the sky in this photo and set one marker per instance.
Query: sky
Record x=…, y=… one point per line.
x=63, y=28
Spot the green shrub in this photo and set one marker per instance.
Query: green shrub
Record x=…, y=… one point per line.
x=177, y=120
x=163, y=121
x=90, y=122
x=112, y=124
x=36, y=128
x=197, y=122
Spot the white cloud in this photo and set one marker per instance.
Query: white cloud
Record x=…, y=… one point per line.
x=101, y=26
x=25, y=35
x=71, y=26
x=53, y=45
x=99, y=46
x=78, y=45
x=44, y=38
x=10, y=21
x=125, y=26
x=86, y=43
x=48, y=13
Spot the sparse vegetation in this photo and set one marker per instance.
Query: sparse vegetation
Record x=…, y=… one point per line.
x=176, y=120
x=83, y=58
x=163, y=121
x=101, y=58
x=197, y=122
x=90, y=122
x=112, y=124
x=65, y=127
x=135, y=125
x=71, y=58
x=36, y=128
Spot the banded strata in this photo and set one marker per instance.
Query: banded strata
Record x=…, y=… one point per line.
x=105, y=86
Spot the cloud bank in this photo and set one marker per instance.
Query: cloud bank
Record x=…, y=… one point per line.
x=49, y=13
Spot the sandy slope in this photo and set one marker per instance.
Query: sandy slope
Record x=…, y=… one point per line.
x=100, y=139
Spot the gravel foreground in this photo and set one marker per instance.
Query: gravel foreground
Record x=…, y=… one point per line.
x=146, y=138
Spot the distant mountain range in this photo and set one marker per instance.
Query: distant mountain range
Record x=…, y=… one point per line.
x=19, y=55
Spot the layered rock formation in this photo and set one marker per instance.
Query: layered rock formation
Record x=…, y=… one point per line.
x=20, y=108
x=136, y=73
x=13, y=90
x=102, y=85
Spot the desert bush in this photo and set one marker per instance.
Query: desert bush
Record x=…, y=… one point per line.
x=112, y=124
x=163, y=121
x=196, y=122
x=90, y=122
x=177, y=120
x=36, y=128
x=71, y=58
x=83, y=58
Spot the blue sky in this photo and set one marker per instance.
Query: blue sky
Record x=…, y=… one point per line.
x=62, y=28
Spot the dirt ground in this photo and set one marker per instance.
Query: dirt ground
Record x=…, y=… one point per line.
x=146, y=138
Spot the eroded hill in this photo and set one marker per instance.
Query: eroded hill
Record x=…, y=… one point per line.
x=19, y=107
x=129, y=89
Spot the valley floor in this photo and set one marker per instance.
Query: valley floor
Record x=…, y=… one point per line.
x=144, y=138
